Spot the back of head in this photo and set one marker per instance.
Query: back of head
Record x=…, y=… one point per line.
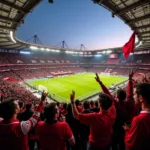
x=96, y=103
x=65, y=106
x=28, y=106
x=50, y=111
x=121, y=95
x=143, y=89
x=7, y=109
x=77, y=102
x=91, y=103
x=58, y=104
x=86, y=105
x=105, y=101
x=69, y=108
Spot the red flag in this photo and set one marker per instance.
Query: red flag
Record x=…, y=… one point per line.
x=129, y=46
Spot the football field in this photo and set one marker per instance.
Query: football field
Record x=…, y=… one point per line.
x=83, y=84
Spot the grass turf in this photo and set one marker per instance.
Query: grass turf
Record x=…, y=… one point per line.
x=83, y=84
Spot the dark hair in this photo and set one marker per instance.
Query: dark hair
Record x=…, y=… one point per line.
x=28, y=106
x=65, y=105
x=91, y=103
x=69, y=108
x=50, y=111
x=105, y=101
x=96, y=103
x=86, y=105
x=77, y=102
x=58, y=104
x=121, y=95
x=7, y=109
x=143, y=89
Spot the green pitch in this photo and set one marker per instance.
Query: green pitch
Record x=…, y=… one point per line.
x=83, y=84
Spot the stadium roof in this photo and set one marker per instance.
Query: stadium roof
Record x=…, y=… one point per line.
x=135, y=13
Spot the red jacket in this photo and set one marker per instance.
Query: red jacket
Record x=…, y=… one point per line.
x=14, y=134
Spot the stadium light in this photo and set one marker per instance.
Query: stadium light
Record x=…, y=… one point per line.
x=80, y=52
x=139, y=44
x=57, y=51
x=108, y=52
x=48, y=49
x=98, y=55
x=24, y=52
x=11, y=36
x=33, y=47
x=42, y=49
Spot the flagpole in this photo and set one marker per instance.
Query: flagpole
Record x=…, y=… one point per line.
x=132, y=60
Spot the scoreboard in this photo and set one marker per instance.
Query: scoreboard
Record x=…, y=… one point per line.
x=113, y=55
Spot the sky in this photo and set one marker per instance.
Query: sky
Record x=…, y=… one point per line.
x=76, y=22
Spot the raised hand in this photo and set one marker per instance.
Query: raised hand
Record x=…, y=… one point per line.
x=43, y=96
x=72, y=96
x=97, y=78
x=131, y=74
x=126, y=127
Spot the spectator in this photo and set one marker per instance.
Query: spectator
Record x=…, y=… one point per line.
x=24, y=116
x=51, y=133
x=64, y=110
x=138, y=135
x=75, y=127
x=13, y=134
x=91, y=104
x=100, y=123
x=85, y=130
x=96, y=108
x=77, y=102
x=125, y=111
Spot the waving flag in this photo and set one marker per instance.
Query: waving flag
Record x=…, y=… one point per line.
x=129, y=46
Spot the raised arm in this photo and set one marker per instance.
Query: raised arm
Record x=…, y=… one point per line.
x=104, y=88
x=26, y=126
x=130, y=86
x=74, y=108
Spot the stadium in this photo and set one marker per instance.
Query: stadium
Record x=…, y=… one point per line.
x=28, y=68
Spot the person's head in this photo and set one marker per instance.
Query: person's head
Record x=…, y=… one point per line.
x=86, y=105
x=96, y=104
x=9, y=108
x=28, y=106
x=91, y=103
x=65, y=106
x=51, y=112
x=58, y=104
x=121, y=95
x=105, y=101
x=69, y=108
x=141, y=93
x=77, y=102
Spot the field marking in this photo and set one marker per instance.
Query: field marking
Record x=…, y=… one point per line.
x=79, y=83
x=76, y=80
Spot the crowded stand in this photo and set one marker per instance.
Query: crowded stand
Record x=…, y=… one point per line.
x=113, y=121
x=71, y=126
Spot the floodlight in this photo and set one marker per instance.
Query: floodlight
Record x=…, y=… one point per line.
x=11, y=36
x=33, y=47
